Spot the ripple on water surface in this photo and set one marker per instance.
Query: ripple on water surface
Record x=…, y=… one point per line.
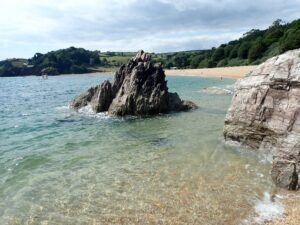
x=62, y=167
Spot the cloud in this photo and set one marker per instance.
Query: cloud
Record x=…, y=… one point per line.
x=29, y=26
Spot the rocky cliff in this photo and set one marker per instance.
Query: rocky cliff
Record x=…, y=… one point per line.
x=265, y=114
x=138, y=88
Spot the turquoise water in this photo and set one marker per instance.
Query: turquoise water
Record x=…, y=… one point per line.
x=58, y=166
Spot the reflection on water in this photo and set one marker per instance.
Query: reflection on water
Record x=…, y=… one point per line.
x=62, y=167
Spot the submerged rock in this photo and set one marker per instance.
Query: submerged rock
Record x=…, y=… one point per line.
x=265, y=114
x=139, y=88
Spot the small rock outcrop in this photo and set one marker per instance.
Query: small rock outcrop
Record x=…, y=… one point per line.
x=265, y=114
x=139, y=88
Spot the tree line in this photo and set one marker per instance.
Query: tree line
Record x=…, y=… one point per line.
x=254, y=47
x=64, y=61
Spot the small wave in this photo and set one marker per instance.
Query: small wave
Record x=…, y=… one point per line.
x=86, y=111
x=264, y=157
x=230, y=87
x=216, y=91
x=89, y=112
x=266, y=210
x=63, y=108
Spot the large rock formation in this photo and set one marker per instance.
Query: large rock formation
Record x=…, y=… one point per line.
x=265, y=114
x=139, y=88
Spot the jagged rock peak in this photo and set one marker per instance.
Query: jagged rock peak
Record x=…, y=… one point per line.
x=142, y=56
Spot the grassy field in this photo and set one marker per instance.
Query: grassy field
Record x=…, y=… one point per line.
x=116, y=59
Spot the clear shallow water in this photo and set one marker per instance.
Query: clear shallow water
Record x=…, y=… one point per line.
x=62, y=167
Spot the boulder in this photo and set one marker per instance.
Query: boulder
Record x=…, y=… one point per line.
x=138, y=88
x=265, y=115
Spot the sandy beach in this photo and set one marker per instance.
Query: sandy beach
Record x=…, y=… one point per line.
x=291, y=212
x=227, y=72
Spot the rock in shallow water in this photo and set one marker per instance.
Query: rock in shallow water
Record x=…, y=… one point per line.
x=265, y=114
x=139, y=88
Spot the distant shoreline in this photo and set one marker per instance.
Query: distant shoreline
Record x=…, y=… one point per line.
x=226, y=72
x=234, y=72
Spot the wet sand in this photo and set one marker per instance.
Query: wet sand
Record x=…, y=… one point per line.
x=226, y=72
x=292, y=210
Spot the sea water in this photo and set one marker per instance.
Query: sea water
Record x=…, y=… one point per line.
x=58, y=166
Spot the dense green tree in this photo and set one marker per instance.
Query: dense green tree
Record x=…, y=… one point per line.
x=243, y=50
x=222, y=63
x=252, y=35
x=203, y=63
x=256, y=51
x=291, y=40
x=211, y=64
x=234, y=52
x=227, y=50
x=70, y=60
x=169, y=65
x=181, y=60
x=218, y=54
x=196, y=60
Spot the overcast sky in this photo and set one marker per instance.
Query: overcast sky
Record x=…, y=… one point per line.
x=30, y=26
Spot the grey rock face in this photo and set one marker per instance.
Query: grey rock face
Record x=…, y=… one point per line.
x=139, y=88
x=265, y=114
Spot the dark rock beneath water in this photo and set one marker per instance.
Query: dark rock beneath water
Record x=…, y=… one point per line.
x=139, y=88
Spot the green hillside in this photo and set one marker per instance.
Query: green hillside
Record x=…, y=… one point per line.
x=64, y=61
x=254, y=47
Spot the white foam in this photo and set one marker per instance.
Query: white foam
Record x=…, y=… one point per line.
x=230, y=87
x=88, y=111
x=63, y=108
x=217, y=91
x=268, y=210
